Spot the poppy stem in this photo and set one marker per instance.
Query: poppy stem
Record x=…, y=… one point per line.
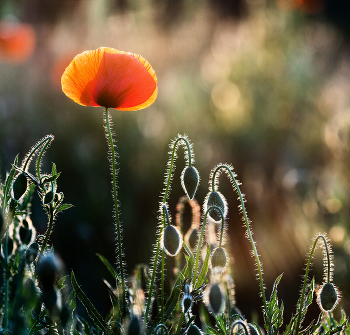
x=112, y=155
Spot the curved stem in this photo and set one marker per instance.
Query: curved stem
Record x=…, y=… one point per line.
x=35, y=148
x=201, y=239
x=6, y=282
x=248, y=228
x=243, y=324
x=49, y=139
x=160, y=326
x=110, y=141
x=302, y=297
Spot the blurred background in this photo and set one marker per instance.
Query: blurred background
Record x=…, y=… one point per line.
x=263, y=85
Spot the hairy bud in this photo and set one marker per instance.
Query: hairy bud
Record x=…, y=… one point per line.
x=216, y=199
x=46, y=271
x=48, y=197
x=172, y=240
x=19, y=186
x=327, y=297
x=186, y=303
x=216, y=298
x=191, y=238
x=189, y=181
x=193, y=330
x=218, y=261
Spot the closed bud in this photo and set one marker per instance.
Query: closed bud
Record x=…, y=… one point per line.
x=218, y=261
x=32, y=253
x=25, y=233
x=192, y=238
x=48, y=197
x=216, y=199
x=327, y=297
x=9, y=246
x=189, y=181
x=193, y=330
x=134, y=326
x=46, y=271
x=252, y=329
x=19, y=186
x=186, y=303
x=172, y=240
x=216, y=299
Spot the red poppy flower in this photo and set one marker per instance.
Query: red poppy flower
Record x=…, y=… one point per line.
x=110, y=78
x=17, y=41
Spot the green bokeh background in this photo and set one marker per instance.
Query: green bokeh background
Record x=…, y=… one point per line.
x=261, y=85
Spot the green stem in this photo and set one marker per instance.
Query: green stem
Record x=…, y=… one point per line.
x=161, y=326
x=179, y=325
x=109, y=137
x=243, y=324
x=35, y=148
x=49, y=139
x=6, y=282
x=302, y=297
x=248, y=228
x=201, y=239
x=48, y=231
x=166, y=193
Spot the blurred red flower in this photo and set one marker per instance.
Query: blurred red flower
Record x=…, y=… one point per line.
x=110, y=78
x=17, y=41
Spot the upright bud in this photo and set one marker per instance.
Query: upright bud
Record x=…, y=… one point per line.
x=216, y=299
x=19, y=186
x=172, y=240
x=189, y=181
x=328, y=297
x=218, y=261
x=216, y=199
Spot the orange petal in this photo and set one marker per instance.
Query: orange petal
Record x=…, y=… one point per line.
x=110, y=78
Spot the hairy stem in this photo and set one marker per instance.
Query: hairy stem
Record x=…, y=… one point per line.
x=48, y=231
x=110, y=141
x=246, y=222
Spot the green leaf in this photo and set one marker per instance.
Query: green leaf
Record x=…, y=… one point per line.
x=63, y=207
x=50, y=179
x=60, y=284
x=109, y=267
x=93, y=313
x=9, y=180
x=202, y=276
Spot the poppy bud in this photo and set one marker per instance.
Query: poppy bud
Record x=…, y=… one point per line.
x=192, y=238
x=218, y=261
x=193, y=330
x=134, y=326
x=172, y=240
x=186, y=303
x=252, y=329
x=216, y=298
x=216, y=199
x=48, y=197
x=19, y=186
x=189, y=181
x=32, y=252
x=25, y=233
x=9, y=246
x=46, y=271
x=327, y=297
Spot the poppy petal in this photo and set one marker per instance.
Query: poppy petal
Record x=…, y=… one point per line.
x=110, y=78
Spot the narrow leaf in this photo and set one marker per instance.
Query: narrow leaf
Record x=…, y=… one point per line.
x=202, y=276
x=109, y=267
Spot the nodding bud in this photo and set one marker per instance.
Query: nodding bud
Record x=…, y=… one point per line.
x=216, y=199
x=134, y=326
x=9, y=246
x=252, y=329
x=218, y=261
x=327, y=297
x=19, y=186
x=172, y=240
x=46, y=271
x=192, y=238
x=25, y=232
x=48, y=197
x=32, y=253
x=186, y=303
x=216, y=298
x=193, y=330
x=189, y=181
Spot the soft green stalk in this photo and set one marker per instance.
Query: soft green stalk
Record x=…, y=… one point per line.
x=246, y=221
x=201, y=239
x=243, y=324
x=171, y=167
x=48, y=231
x=179, y=325
x=47, y=139
x=7, y=278
x=109, y=137
x=303, y=291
